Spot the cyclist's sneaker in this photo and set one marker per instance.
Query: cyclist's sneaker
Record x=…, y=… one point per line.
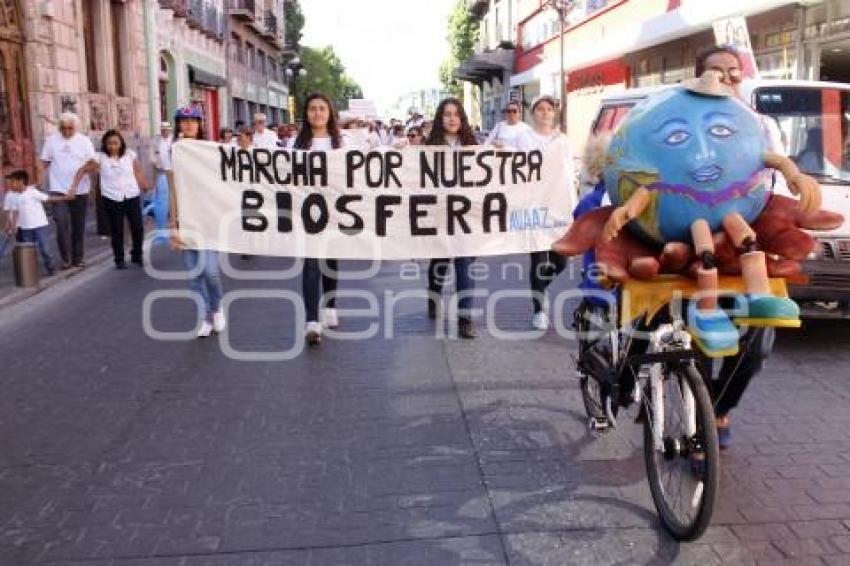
x=713, y=332
x=770, y=310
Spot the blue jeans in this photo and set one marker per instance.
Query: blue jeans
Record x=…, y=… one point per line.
x=39, y=237
x=463, y=280
x=160, y=208
x=207, y=283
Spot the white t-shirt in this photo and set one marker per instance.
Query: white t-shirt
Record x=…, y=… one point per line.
x=267, y=139
x=10, y=201
x=318, y=144
x=117, y=178
x=531, y=140
x=507, y=134
x=30, y=208
x=66, y=156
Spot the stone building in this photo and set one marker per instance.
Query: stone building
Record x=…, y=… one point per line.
x=187, y=60
x=85, y=56
x=256, y=48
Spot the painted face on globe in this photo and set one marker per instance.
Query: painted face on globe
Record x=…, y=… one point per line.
x=700, y=156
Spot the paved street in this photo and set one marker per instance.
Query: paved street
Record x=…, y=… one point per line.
x=119, y=449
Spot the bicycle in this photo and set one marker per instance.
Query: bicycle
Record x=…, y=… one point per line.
x=638, y=350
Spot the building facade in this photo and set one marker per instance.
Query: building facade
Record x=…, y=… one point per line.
x=84, y=56
x=186, y=60
x=612, y=45
x=256, y=49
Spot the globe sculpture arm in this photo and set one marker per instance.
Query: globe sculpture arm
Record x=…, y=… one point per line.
x=800, y=184
x=632, y=208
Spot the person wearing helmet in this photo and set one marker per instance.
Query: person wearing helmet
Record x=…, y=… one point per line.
x=203, y=267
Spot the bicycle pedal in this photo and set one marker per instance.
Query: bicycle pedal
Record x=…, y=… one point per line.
x=598, y=426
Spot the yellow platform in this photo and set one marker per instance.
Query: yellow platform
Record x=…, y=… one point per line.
x=640, y=298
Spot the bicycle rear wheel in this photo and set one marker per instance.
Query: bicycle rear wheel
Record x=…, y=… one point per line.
x=683, y=458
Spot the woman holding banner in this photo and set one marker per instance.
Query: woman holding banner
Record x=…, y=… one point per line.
x=546, y=265
x=202, y=265
x=319, y=133
x=451, y=128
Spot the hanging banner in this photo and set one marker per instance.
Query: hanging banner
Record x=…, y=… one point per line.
x=351, y=204
x=734, y=32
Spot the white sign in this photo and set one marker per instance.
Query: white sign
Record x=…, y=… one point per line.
x=351, y=204
x=362, y=108
x=734, y=32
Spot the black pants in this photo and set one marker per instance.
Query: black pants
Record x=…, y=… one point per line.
x=545, y=267
x=116, y=212
x=737, y=371
x=70, y=218
x=318, y=281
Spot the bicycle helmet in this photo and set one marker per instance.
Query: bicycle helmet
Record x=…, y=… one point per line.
x=188, y=111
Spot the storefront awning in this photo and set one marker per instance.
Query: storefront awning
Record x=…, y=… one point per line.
x=199, y=76
x=486, y=66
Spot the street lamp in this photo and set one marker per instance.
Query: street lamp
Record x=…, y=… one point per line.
x=563, y=7
x=294, y=70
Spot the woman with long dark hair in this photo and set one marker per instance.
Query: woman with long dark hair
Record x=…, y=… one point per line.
x=451, y=128
x=121, y=183
x=320, y=132
x=203, y=266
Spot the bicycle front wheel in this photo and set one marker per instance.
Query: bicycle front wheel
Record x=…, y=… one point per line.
x=681, y=451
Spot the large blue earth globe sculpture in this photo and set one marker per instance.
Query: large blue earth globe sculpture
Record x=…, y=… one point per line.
x=700, y=156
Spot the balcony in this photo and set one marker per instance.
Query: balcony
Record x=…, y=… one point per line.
x=270, y=31
x=213, y=24
x=478, y=7
x=180, y=7
x=196, y=16
x=245, y=10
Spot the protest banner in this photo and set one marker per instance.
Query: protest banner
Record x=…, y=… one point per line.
x=421, y=202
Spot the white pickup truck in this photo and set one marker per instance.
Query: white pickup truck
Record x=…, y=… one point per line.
x=814, y=119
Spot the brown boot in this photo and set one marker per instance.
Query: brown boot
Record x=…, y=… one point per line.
x=466, y=328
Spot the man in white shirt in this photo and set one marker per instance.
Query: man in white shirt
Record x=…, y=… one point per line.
x=63, y=154
x=263, y=137
x=507, y=132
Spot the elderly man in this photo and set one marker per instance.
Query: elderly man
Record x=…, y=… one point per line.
x=263, y=137
x=63, y=154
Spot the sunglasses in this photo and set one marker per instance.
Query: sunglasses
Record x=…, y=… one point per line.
x=413, y=135
x=511, y=111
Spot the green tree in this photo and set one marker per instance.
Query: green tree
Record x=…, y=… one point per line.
x=326, y=74
x=294, y=21
x=462, y=36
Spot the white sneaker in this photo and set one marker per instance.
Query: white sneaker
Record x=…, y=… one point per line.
x=330, y=318
x=313, y=333
x=540, y=321
x=219, y=322
x=205, y=329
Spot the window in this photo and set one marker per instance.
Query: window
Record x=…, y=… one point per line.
x=610, y=117
x=117, y=21
x=261, y=61
x=539, y=28
x=250, y=54
x=814, y=127
x=236, y=41
x=89, y=44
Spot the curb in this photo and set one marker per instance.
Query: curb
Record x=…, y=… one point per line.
x=24, y=293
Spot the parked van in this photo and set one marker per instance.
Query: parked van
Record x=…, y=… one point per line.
x=814, y=121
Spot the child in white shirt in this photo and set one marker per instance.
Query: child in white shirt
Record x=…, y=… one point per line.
x=7, y=232
x=28, y=214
